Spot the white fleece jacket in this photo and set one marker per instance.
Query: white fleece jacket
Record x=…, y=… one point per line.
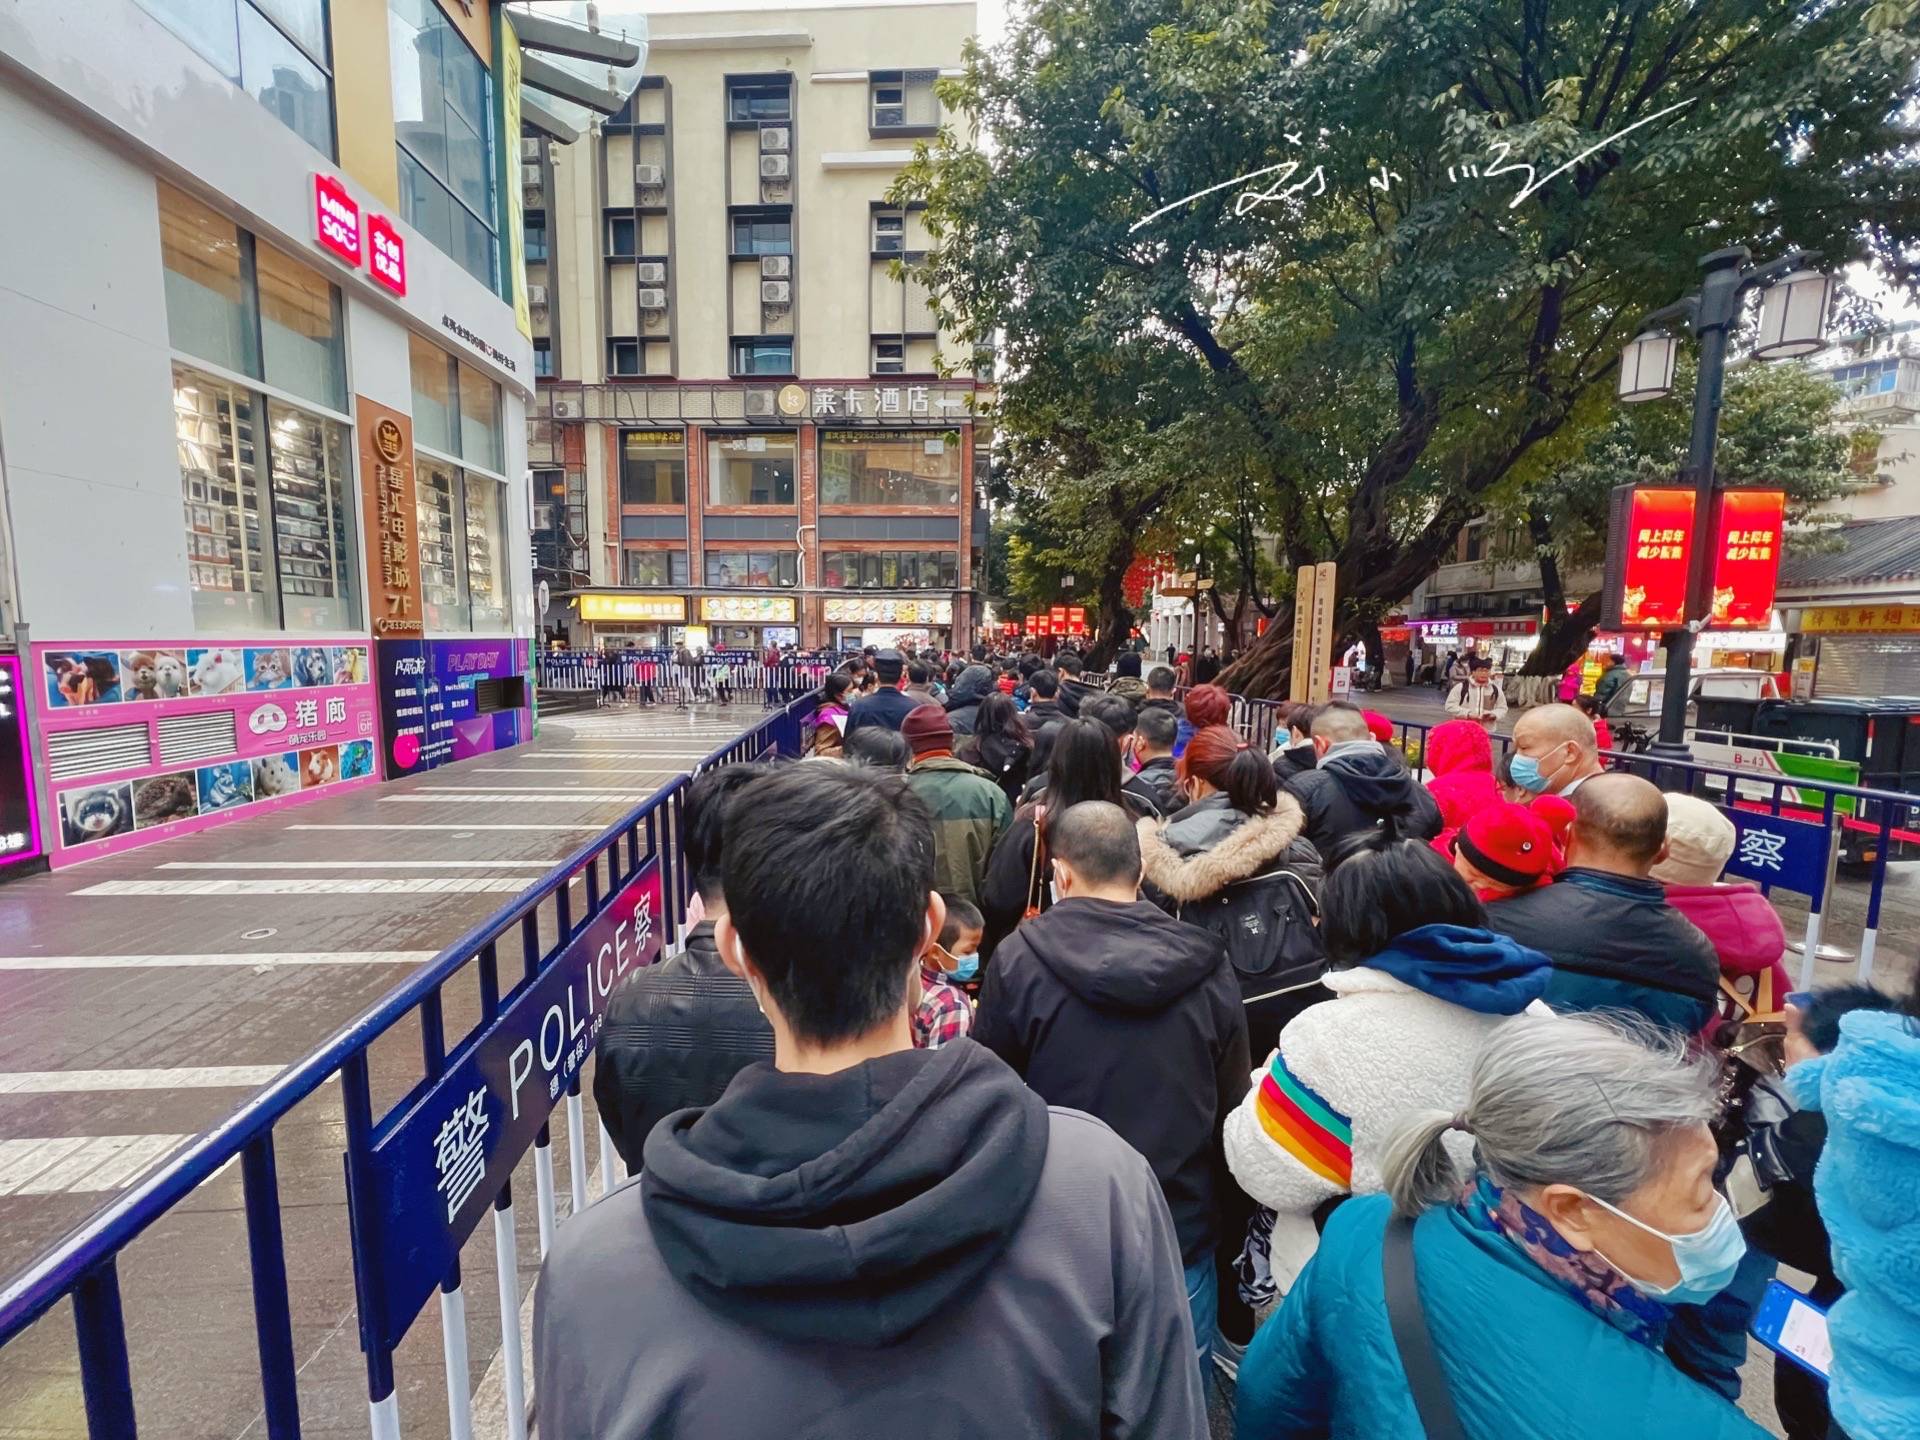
x=1376, y=1051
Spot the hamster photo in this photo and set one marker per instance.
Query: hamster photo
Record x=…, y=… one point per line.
x=215, y=672
x=96, y=813
x=320, y=766
x=275, y=775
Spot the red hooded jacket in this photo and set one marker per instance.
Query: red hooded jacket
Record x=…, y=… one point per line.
x=1459, y=757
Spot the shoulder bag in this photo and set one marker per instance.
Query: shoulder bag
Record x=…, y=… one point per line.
x=1033, y=873
x=1432, y=1396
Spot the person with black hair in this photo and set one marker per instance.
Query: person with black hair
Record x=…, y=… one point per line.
x=1127, y=663
x=1081, y=768
x=1153, y=734
x=1044, y=716
x=1294, y=750
x=859, y=1224
x=1117, y=714
x=875, y=748
x=1000, y=745
x=1356, y=783
x=676, y=1033
x=1107, y=1004
x=830, y=718
x=919, y=688
x=1418, y=982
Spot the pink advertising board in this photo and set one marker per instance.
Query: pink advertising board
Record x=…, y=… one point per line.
x=148, y=741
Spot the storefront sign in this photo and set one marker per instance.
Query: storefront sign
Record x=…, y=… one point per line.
x=889, y=612
x=293, y=718
x=388, y=506
x=1747, y=530
x=653, y=437
x=1076, y=617
x=749, y=609
x=19, y=815
x=429, y=711
x=438, y=1165
x=890, y=402
x=1487, y=629
x=1649, y=540
x=1861, y=620
x=491, y=351
x=633, y=607
x=387, y=253
x=336, y=219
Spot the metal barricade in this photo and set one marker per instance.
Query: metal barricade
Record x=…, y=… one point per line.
x=426, y=1171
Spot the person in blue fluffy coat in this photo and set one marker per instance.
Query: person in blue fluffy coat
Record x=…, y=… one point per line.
x=1868, y=1188
x=1545, y=1276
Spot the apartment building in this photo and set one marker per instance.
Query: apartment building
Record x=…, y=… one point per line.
x=748, y=428
x=263, y=397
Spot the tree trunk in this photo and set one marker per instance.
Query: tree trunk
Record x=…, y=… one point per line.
x=1264, y=670
x=1565, y=638
x=1376, y=647
x=1115, y=615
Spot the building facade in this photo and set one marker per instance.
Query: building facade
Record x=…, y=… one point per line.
x=748, y=429
x=263, y=407
x=1879, y=380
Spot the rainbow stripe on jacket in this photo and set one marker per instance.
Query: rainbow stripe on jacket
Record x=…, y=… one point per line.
x=1305, y=1126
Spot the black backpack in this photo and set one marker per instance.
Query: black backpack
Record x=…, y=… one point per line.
x=1269, y=924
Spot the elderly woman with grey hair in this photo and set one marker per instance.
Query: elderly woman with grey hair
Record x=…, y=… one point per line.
x=1527, y=1300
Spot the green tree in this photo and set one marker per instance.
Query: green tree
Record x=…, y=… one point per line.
x=1379, y=327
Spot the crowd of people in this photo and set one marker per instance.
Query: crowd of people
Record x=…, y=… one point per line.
x=1043, y=1055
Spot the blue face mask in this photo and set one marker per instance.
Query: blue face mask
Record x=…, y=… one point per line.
x=1706, y=1258
x=1526, y=773
x=965, y=967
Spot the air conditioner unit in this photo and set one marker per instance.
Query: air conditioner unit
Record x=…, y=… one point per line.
x=776, y=267
x=537, y=296
x=653, y=299
x=651, y=272
x=530, y=149
x=529, y=175
x=776, y=137
x=758, y=404
x=566, y=407
x=888, y=115
x=776, y=292
x=648, y=177
x=774, y=167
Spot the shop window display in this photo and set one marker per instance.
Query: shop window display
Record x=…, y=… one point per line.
x=889, y=468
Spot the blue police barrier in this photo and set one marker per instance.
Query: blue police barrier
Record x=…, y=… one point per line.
x=1775, y=850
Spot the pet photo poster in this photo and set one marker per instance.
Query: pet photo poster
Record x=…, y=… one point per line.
x=251, y=728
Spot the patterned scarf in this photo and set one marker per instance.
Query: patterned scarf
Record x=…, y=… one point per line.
x=1582, y=1274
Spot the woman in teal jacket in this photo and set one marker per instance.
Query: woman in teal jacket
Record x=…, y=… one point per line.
x=1541, y=1275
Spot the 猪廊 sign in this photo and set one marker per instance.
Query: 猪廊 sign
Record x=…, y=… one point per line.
x=436, y=1164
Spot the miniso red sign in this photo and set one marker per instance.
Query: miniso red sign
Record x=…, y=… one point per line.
x=336, y=219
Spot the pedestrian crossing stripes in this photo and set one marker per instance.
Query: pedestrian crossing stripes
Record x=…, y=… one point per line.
x=251, y=959
x=356, y=865
x=580, y=825
x=516, y=797
x=718, y=740
x=410, y=885
x=81, y=1082
x=79, y=1164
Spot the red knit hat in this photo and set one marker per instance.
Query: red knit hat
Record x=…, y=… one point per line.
x=927, y=727
x=1521, y=845
x=1378, y=725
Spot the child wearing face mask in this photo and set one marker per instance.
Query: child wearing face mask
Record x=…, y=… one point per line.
x=942, y=1014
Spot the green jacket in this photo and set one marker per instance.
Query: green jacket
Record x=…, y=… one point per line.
x=969, y=813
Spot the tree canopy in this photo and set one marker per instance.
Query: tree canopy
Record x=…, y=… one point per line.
x=1375, y=258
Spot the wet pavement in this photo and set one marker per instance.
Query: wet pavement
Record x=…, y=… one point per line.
x=143, y=997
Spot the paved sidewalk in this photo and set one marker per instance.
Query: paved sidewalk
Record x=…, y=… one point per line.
x=145, y=996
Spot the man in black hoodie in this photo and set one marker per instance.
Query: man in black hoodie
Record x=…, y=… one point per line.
x=1107, y=1004
x=863, y=1240
x=1356, y=783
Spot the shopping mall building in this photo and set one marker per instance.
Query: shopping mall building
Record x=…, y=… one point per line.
x=262, y=409
x=748, y=427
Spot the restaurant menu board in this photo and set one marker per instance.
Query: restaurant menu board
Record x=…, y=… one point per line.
x=850, y=611
x=162, y=738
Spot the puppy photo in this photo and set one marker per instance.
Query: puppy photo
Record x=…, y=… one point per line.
x=269, y=670
x=224, y=786
x=310, y=666
x=82, y=677
x=215, y=672
x=164, y=798
x=95, y=812
x=153, y=675
x=319, y=766
x=276, y=775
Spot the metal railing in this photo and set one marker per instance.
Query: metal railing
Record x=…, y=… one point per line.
x=648, y=675
x=635, y=889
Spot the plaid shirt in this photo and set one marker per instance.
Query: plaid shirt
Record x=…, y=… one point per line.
x=943, y=1015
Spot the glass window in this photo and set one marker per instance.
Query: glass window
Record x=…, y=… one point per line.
x=486, y=550
x=759, y=100
x=209, y=284
x=656, y=567
x=889, y=357
x=444, y=127
x=762, y=235
x=653, y=468
x=763, y=357
x=433, y=396
x=903, y=100
x=443, y=592
x=890, y=569
x=300, y=330
x=728, y=569
x=623, y=357
x=480, y=438
x=303, y=21
x=292, y=87
x=889, y=232
x=897, y=468
x=536, y=237
x=750, y=470
x=312, y=528
x=623, y=236
x=542, y=358
x=209, y=28
x=217, y=432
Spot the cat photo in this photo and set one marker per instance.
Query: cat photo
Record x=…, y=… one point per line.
x=224, y=786
x=269, y=670
x=164, y=798
x=310, y=666
x=319, y=766
x=82, y=677
x=276, y=775
x=95, y=812
x=215, y=672
x=153, y=675
x=356, y=759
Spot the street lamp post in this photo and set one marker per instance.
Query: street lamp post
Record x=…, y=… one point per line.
x=1792, y=317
